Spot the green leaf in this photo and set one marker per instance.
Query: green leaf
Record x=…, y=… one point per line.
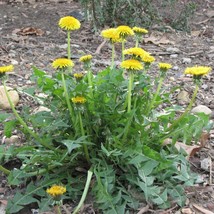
x=15, y=177
x=4, y=116
x=9, y=127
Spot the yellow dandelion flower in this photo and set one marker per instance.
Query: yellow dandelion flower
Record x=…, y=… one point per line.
x=69, y=23
x=132, y=64
x=78, y=100
x=85, y=58
x=8, y=68
x=56, y=191
x=198, y=70
x=111, y=34
x=165, y=66
x=78, y=75
x=137, y=52
x=139, y=30
x=124, y=31
x=147, y=58
x=62, y=63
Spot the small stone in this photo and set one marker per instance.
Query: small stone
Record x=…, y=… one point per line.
x=64, y=46
x=202, y=109
x=40, y=109
x=174, y=56
x=172, y=79
x=186, y=60
x=14, y=62
x=175, y=68
x=12, y=140
x=205, y=164
x=14, y=96
x=173, y=50
x=183, y=97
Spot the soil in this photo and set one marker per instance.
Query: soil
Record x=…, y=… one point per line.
x=30, y=36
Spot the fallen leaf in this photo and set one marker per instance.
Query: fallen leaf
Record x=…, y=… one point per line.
x=210, y=13
x=158, y=40
x=201, y=209
x=4, y=202
x=186, y=211
x=204, y=139
x=29, y=31
x=196, y=33
x=190, y=150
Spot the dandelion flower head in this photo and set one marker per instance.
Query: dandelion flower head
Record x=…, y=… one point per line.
x=139, y=30
x=61, y=63
x=136, y=52
x=56, y=191
x=69, y=23
x=147, y=58
x=85, y=58
x=78, y=100
x=124, y=31
x=78, y=75
x=165, y=66
x=132, y=64
x=111, y=34
x=198, y=70
x=4, y=69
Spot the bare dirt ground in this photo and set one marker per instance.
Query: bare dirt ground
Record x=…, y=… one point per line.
x=30, y=36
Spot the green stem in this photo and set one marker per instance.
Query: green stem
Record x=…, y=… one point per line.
x=83, y=134
x=21, y=121
x=137, y=43
x=176, y=122
x=131, y=80
x=123, y=47
x=156, y=94
x=89, y=176
x=58, y=209
x=113, y=55
x=89, y=74
x=67, y=97
x=4, y=170
x=69, y=47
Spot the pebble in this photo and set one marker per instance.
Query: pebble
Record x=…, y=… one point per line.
x=173, y=56
x=205, y=164
x=14, y=62
x=12, y=140
x=175, y=68
x=186, y=60
x=173, y=50
x=14, y=96
x=202, y=109
x=183, y=97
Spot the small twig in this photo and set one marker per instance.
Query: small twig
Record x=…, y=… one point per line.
x=144, y=209
x=195, y=53
x=100, y=47
x=210, y=159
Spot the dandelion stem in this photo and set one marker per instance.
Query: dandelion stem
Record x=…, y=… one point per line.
x=131, y=80
x=89, y=176
x=57, y=209
x=83, y=134
x=89, y=75
x=156, y=94
x=137, y=43
x=4, y=170
x=21, y=121
x=69, y=47
x=67, y=97
x=113, y=55
x=123, y=47
x=176, y=122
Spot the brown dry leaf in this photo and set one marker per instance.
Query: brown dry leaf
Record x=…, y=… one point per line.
x=186, y=211
x=201, y=209
x=204, y=139
x=3, y=202
x=190, y=150
x=196, y=33
x=29, y=31
x=158, y=40
x=144, y=209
